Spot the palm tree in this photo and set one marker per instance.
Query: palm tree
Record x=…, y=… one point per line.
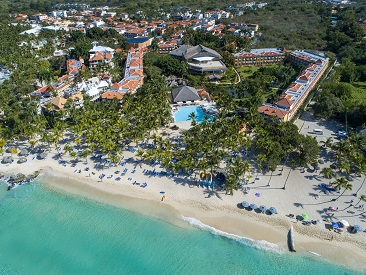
x=193, y=117
x=328, y=143
x=361, y=198
x=13, y=151
x=342, y=183
x=73, y=154
x=85, y=154
x=327, y=172
x=32, y=143
x=2, y=142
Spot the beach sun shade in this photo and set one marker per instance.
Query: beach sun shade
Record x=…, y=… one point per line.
x=257, y=194
x=335, y=225
x=305, y=216
x=357, y=228
x=273, y=210
x=253, y=206
x=245, y=204
x=262, y=208
x=345, y=223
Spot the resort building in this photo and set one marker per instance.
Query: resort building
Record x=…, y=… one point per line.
x=74, y=66
x=304, y=58
x=200, y=59
x=100, y=54
x=185, y=94
x=294, y=96
x=260, y=57
x=133, y=76
x=166, y=48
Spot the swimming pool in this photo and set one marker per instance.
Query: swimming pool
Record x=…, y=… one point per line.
x=183, y=113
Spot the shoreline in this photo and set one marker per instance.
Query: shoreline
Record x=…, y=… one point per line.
x=209, y=207
x=263, y=232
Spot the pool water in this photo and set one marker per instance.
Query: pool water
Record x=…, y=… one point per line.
x=183, y=113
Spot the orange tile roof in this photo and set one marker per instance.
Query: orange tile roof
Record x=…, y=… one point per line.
x=286, y=102
x=97, y=57
x=131, y=84
x=112, y=95
x=272, y=111
x=41, y=90
x=294, y=86
x=136, y=72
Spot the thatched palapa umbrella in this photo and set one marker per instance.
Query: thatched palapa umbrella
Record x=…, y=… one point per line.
x=23, y=152
x=7, y=160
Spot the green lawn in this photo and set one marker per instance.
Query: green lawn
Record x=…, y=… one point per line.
x=246, y=72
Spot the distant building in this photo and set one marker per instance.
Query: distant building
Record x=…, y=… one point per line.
x=40, y=17
x=138, y=42
x=200, y=59
x=166, y=48
x=300, y=57
x=74, y=66
x=260, y=57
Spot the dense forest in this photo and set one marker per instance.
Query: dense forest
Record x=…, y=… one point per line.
x=343, y=95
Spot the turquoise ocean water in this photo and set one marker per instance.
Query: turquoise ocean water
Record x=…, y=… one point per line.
x=48, y=232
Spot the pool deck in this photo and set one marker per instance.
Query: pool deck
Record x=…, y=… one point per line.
x=187, y=124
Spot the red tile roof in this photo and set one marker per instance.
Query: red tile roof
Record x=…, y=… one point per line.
x=112, y=95
x=272, y=111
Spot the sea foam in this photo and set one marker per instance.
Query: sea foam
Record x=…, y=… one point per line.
x=260, y=244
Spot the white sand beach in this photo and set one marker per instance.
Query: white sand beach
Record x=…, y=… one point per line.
x=213, y=207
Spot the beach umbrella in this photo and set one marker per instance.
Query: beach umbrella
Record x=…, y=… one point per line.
x=22, y=160
x=245, y=204
x=42, y=155
x=345, y=223
x=273, y=210
x=357, y=228
x=262, y=208
x=253, y=206
x=305, y=216
x=23, y=152
x=335, y=225
x=7, y=159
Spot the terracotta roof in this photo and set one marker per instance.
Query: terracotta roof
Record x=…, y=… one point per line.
x=294, y=86
x=97, y=57
x=272, y=111
x=286, y=102
x=112, y=95
x=136, y=72
x=58, y=102
x=42, y=90
x=116, y=86
x=312, y=67
x=131, y=84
